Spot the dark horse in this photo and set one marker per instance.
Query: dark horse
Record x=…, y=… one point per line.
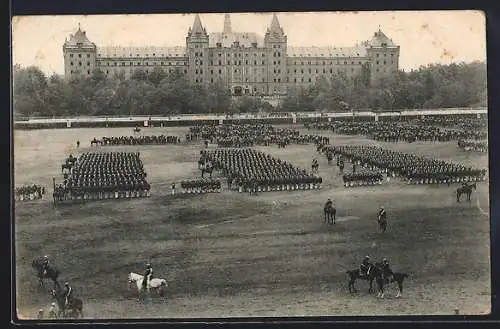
x=49, y=273
x=467, y=189
x=356, y=274
x=74, y=308
x=330, y=213
x=375, y=272
x=66, y=166
x=95, y=141
x=385, y=279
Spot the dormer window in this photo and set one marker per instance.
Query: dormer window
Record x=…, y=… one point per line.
x=384, y=44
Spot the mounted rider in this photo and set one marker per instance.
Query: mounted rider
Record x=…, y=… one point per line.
x=329, y=204
x=44, y=264
x=364, y=268
x=68, y=294
x=148, y=274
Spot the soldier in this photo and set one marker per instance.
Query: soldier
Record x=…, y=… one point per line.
x=365, y=267
x=173, y=188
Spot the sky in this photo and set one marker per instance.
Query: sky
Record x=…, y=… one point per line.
x=424, y=37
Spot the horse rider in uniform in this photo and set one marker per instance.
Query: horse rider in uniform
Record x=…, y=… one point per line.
x=147, y=275
x=386, y=270
x=365, y=267
x=45, y=264
x=40, y=314
x=382, y=215
x=329, y=203
x=68, y=294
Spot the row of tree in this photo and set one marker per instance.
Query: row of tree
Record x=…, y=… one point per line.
x=161, y=93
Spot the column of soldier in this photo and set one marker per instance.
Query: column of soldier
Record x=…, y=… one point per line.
x=29, y=192
x=139, y=140
x=247, y=135
x=201, y=186
x=390, y=131
x=472, y=145
x=360, y=175
x=97, y=176
x=415, y=169
x=249, y=170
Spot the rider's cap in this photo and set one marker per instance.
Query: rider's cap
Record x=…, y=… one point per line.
x=367, y=257
x=148, y=265
x=381, y=207
x=66, y=283
x=45, y=256
x=384, y=260
x=53, y=304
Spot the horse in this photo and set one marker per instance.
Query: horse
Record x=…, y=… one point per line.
x=75, y=305
x=48, y=273
x=156, y=284
x=467, y=189
x=66, y=166
x=382, y=223
x=95, y=141
x=330, y=213
x=383, y=280
x=356, y=274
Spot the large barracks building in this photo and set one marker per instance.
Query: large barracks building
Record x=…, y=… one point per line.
x=246, y=62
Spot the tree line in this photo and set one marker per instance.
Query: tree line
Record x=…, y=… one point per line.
x=162, y=93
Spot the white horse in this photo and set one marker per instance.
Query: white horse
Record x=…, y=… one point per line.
x=155, y=284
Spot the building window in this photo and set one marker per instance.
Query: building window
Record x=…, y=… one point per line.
x=309, y=79
x=201, y=62
x=196, y=80
x=294, y=79
x=279, y=80
x=88, y=55
x=212, y=80
x=263, y=62
x=195, y=71
x=107, y=71
x=211, y=71
x=377, y=55
x=71, y=55
x=302, y=79
x=352, y=63
x=80, y=55
x=228, y=62
x=220, y=71
x=263, y=81
x=377, y=62
x=185, y=71
x=88, y=72
x=345, y=62
x=309, y=71
x=201, y=71
x=302, y=71
x=385, y=62
x=71, y=63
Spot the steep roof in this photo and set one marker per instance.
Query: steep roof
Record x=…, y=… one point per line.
x=79, y=39
x=245, y=39
x=379, y=39
x=327, y=52
x=143, y=52
x=275, y=27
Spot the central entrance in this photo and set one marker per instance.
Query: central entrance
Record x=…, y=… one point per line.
x=238, y=91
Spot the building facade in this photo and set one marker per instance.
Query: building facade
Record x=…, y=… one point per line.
x=245, y=62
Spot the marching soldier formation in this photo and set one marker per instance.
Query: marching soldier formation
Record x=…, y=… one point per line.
x=416, y=169
x=29, y=192
x=100, y=176
x=387, y=131
x=253, y=171
x=471, y=145
x=247, y=135
x=136, y=140
x=201, y=186
x=363, y=178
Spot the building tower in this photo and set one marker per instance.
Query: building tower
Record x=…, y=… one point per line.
x=79, y=55
x=383, y=54
x=275, y=42
x=227, y=24
x=197, y=53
